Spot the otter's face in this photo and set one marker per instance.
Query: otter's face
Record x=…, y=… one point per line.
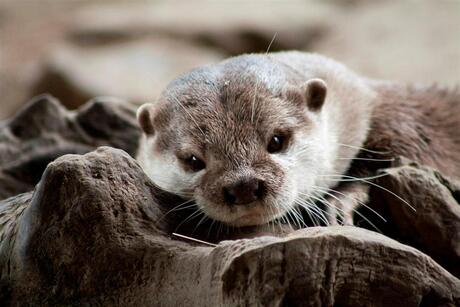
x=243, y=154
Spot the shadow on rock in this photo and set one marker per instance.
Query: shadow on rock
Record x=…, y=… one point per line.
x=90, y=233
x=44, y=130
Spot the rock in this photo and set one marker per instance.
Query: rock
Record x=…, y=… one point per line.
x=136, y=71
x=433, y=223
x=233, y=29
x=91, y=234
x=44, y=130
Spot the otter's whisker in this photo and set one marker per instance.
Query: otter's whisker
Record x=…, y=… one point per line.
x=356, y=211
x=271, y=42
x=273, y=212
x=286, y=212
x=311, y=208
x=257, y=84
x=320, y=212
x=352, y=178
x=363, y=149
x=380, y=187
x=253, y=103
x=210, y=227
x=323, y=201
x=303, y=149
x=368, y=159
x=270, y=217
x=181, y=206
x=326, y=191
x=219, y=229
x=190, y=217
x=204, y=218
x=298, y=220
x=309, y=212
x=190, y=115
x=294, y=217
x=284, y=221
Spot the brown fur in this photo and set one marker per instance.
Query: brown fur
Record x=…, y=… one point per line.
x=226, y=114
x=214, y=129
x=419, y=123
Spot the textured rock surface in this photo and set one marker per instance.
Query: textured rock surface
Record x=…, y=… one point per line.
x=44, y=130
x=433, y=225
x=90, y=234
x=93, y=230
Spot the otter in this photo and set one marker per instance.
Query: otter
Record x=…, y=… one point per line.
x=254, y=138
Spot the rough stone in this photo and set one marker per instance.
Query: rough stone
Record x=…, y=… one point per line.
x=134, y=71
x=44, y=130
x=424, y=214
x=91, y=234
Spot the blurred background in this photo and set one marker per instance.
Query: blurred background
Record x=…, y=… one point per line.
x=76, y=50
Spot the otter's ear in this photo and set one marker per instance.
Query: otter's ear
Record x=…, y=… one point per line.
x=144, y=117
x=315, y=92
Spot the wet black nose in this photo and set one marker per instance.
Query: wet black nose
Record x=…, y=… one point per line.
x=244, y=192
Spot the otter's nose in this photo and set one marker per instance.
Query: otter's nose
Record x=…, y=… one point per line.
x=244, y=192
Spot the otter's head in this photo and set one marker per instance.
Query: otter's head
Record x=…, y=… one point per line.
x=244, y=148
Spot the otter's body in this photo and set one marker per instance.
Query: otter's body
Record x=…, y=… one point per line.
x=254, y=137
x=421, y=123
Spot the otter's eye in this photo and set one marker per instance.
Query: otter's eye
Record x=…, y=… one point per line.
x=195, y=164
x=275, y=144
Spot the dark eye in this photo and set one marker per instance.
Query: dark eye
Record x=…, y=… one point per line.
x=195, y=163
x=275, y=144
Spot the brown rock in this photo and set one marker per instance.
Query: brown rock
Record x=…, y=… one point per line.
x=433, y=223
x=136, y=71
x=91, y=234
x=44, y=130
